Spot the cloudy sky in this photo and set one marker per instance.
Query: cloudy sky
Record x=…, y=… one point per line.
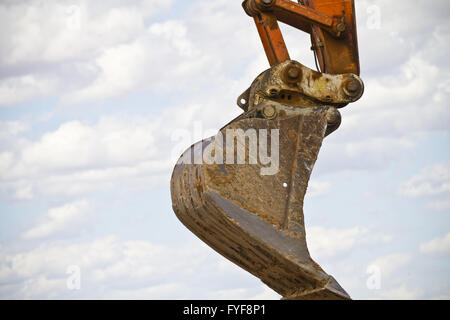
x=98, y=98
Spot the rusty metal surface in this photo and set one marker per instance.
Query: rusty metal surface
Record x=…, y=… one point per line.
x=293, y=84
x=336, y=55
x=291, y=13
x=331, y=24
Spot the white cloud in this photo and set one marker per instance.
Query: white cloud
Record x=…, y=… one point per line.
x=10, y=135
x=17, y=89
x=71, y=158
x=439, y=205
x=330, y=241
x=78, y=30
x=395, y=30
x=390, y=263
x=120, y=69
x=59, y=219
x=112, y=269
x=440, y=245
x=76, y=145
x=88, y=40
x=430, y=181
x=141, y=63
x=318, y=188
x=326, y=242
x=11, y=128
x=401, y=293
x=177, y=35
x=23, y=191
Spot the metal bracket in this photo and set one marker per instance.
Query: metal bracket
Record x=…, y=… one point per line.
x=293, y=84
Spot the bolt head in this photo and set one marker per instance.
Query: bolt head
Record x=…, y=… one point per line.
x=340, y=27
x=293, y=73
x=352, y=87
x=269, y=112
x=333, y=116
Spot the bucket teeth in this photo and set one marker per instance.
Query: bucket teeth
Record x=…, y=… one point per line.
x=250, y=209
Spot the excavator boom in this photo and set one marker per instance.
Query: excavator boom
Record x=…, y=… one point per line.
x=331, y=24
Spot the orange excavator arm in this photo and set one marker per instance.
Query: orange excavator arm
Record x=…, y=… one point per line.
x=331, y=24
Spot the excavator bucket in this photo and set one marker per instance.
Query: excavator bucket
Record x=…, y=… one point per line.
x=242, y=191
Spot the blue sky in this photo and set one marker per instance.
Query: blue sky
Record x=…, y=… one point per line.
x=94, y=97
